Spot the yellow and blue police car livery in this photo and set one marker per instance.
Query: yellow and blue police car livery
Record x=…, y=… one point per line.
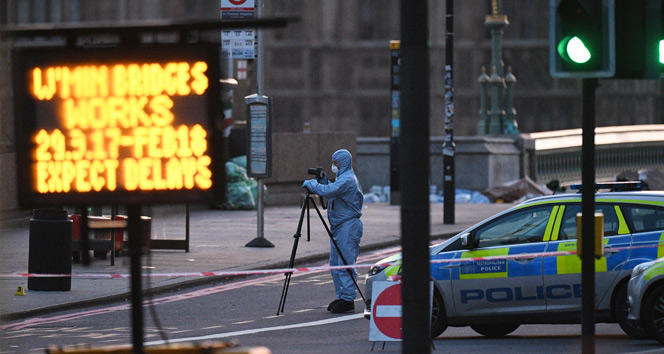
x=520, y=266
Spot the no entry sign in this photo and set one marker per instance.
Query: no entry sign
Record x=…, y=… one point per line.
x=385, y=312
x=386, y=309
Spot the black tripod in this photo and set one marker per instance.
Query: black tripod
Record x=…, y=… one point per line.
x=298, y=234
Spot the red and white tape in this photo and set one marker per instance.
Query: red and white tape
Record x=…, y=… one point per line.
x=300, y=269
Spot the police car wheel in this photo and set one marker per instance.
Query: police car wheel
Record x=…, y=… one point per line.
x=438, y=315
x=621, y=308
x=652, y=314
x=495, y=330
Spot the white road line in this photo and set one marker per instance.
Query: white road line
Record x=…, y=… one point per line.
x=324, y=282
x=213, y=327
x=260, y=330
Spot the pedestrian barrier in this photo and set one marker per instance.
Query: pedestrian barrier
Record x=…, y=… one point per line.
x=108, y=234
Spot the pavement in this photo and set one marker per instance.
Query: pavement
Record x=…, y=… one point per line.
x=217, y=243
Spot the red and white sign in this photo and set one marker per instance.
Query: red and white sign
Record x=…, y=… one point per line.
x=237, y=9
x=238, y=4
x=385, y=311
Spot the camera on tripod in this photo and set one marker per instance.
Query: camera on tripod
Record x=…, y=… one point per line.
x=318, y=172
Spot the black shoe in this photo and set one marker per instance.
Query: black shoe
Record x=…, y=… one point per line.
x=343, y=306
x=331, y=305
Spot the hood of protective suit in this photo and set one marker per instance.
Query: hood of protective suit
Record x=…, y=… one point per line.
x=344, y=159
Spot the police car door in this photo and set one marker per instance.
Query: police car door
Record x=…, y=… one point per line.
x=493, y=281
x=562, y=274
x=648, y=232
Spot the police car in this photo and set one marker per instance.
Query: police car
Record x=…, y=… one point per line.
x=513, y=268
x=645, y=292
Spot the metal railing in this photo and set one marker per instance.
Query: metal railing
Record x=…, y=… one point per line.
x=617, y=149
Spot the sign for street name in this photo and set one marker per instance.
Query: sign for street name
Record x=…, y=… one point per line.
x=238, y=43
x=107, y=126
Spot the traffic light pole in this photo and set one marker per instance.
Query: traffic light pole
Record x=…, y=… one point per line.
x=588, y=218
x=414, y=156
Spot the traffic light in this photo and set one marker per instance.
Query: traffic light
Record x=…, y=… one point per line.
x=657, y=25
x=582, y=38
x=655, y=34
x=639, y=35
x=621, y=39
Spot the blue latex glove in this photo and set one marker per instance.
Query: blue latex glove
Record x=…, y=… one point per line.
x=308, y=183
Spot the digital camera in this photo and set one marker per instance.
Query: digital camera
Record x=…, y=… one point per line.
x=318, y=172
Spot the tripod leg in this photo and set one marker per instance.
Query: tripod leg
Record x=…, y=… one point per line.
x=291, y=262
x=334, y=242
x=308, y=220
x=284, y=293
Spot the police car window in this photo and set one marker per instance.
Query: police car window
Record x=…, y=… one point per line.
x=568, y=226
x=645, y=218
x=520, y=227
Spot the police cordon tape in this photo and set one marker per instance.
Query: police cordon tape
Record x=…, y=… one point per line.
x=306, y=269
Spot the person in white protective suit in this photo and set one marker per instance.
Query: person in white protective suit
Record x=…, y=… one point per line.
x=344, y=209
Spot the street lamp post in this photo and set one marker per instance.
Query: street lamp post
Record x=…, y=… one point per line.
x=501, y=118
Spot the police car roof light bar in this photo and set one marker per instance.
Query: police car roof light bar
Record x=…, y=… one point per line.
x=613, y=186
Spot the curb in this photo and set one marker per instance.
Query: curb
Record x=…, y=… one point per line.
x=188, y=283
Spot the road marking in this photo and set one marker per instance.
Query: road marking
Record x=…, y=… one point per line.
x=305, y=310
x=260, y=330
x=18, y=336
x=324, y=282
x=31, y=323
x=242, y=322
x=213, y=327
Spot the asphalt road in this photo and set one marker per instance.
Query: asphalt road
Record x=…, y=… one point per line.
x=245, y=311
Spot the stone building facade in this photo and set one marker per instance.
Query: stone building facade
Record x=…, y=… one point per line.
x=330, y=70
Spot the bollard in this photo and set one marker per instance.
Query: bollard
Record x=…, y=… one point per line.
x=50, y=249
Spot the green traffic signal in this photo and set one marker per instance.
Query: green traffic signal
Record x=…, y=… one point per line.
x=661, y=51
x=574, y=50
